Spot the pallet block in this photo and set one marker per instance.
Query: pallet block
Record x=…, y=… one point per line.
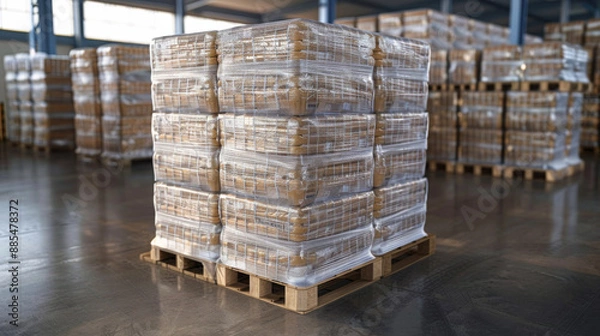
x=195, y=268
x=463, y=87
x=438, y=87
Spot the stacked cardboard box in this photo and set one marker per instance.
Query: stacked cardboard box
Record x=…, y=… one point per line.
x=297, y=141
x=554, y=61
x=501, y=64
x=443, y=118
x=86, y=101
x=12, y=117
x=401, y=142
x=535, y=129
x=124, y=74
x=25, y=105
x=573, y=128
x=438, y=73
x=464, y=66
x=590, y=121
x=186, y=145
x=53, y=101
x=480, y=123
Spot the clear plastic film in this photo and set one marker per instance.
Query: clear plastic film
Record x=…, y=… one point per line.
x=197, y=130
x=55, y=129
x=401, y=74
x=428, y=25
x=297, y=224
x=536, y=111
x=368, y=23
x=184, y=73
x=347, y=21
x=88, y=135
x=483, y=110
x=532, y=39
x=300, y=264
x=592, y=32
x=295, y=67
x=399, y=229
x=399, y=197
x=442, y=143
x=590, y=121
x=12, y=119
x=405, y=128
x=187, y=165
x=574, y=32
x=482, y=146
x=391, y=23
x=441, y=106
x=573, y=127
x=124, y=75
x=399, y=163
x=501, y=64
x=438, y=71
x=544, y=150
x=464, y=66
x=300, y=135
x=553, y=61
x=553, y=32
x=296, y=180
x=26, y=122
x=187, y=221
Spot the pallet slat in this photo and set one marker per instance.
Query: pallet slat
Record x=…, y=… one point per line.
x=479, y=169
x=199, y=269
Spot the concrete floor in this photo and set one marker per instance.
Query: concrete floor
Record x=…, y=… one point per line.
x=524, y=262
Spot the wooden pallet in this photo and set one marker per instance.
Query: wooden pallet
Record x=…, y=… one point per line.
x=595, y=150
x=114, y=162
x=536, y=173
x=407, y=255
x=479, y=169
x=562, y=86
x=498, y=86
x=300, y=300
x=438, y=87
x=447, y=166
x=195, y=268
x=575, y=168
x=463, y=87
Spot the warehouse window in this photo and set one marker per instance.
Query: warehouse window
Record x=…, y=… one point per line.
x=194, y=24
x=15, y=15
x=125, y=24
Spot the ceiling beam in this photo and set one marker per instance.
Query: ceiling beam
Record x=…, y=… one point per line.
x=221, y=13
x=197, y=4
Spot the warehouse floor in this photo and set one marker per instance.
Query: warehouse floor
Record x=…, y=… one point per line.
x=525, y=260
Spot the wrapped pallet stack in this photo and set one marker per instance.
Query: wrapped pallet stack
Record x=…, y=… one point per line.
x=87, y=104
x=480, y=123
x=590, y=122
x=443, y=123
x=401, y=74
x=463, y=72
x=186, y=145
x=573, y=128
x=13, y=119
x=126, y=103
x=438, y=74
x=53, y=102
x=25, y=105
x=501, y=64
x=297, y=142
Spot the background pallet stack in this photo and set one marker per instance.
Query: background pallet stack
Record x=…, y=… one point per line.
x=297, y=157
x=401, y=74
x=53, y=102
x=590, y=122
x=25, y=103
x=11, y=108
x=186, y=147
x=126, y=103
x=87, y=103
x=443, y=127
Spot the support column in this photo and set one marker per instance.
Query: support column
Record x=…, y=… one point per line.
x=565, y=10
x=78, y=32
x=179, y=15
x=327, y=11
x=41, y=36
x=446, y=6
x=518, y=21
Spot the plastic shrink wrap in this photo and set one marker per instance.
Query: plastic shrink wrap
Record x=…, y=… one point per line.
x=573, y=127
x=86, y=101
x=553, y=61
x=53, y=101
x=126, y=101
x=438, y=73
x=401, y=74
x=398, y=163
x=297, y=224
x=590, y=121
x=187, y=221
x=501, y=64
x=295, y=67
x=301, y=264
x=25, y=104
x=12, y=117
x=464, y=66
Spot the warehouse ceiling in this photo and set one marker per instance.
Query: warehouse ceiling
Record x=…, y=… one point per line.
x=255, y=11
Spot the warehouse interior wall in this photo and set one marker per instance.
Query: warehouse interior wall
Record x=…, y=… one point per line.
x=14, y=47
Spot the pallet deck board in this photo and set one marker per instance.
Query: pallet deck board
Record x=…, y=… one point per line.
x=408, y=255
x=549, y=175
